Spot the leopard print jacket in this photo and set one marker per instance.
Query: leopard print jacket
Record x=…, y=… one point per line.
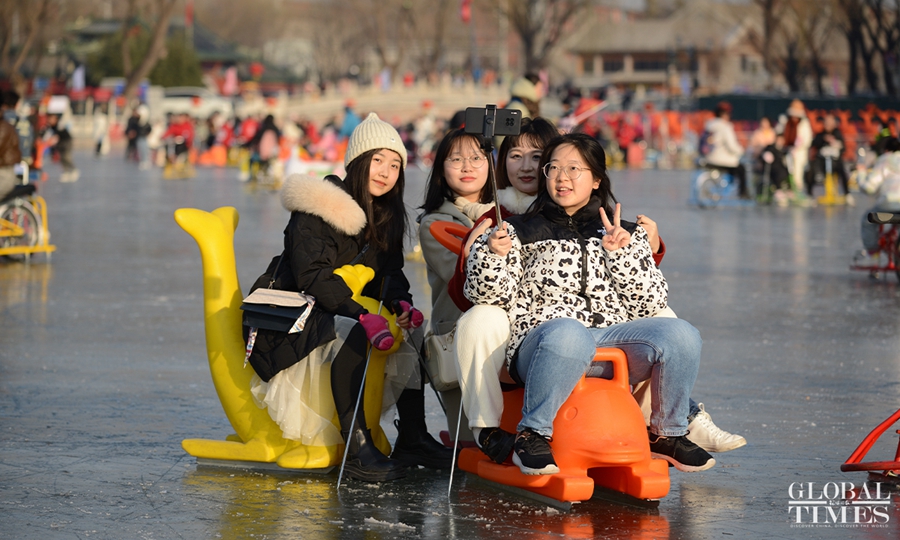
x=543, y=277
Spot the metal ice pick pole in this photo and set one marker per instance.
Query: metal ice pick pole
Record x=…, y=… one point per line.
x=362, y=387
x=455, y=443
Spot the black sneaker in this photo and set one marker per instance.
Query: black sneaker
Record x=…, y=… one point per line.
x=533, y=455
x=681, y=453
x=496, y=443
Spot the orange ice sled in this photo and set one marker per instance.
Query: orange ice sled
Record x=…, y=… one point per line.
x=599, y=440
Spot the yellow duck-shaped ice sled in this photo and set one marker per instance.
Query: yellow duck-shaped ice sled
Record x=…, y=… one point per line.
x=257, y=437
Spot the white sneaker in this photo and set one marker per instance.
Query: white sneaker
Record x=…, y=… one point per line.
x=850, y=200
x=708, y=436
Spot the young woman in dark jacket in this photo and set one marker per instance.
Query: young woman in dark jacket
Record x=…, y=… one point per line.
x=360, y=220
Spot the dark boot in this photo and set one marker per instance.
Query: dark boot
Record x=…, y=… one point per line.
x=366, y=462
x=415, y=446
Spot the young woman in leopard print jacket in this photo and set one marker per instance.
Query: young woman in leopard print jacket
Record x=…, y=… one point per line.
x=573, y=277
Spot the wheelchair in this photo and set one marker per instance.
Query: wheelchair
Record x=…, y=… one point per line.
x=23, y=220
x=711, y=187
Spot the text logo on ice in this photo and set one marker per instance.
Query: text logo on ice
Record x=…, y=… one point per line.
x=838, y=504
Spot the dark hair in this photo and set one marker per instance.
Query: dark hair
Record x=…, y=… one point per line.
x=437, y=190
x=723, y=107
x=532, y=77
x=891, y=144
x=10, y=98
x=537, y=132
x=595, y=158
x=386, y=219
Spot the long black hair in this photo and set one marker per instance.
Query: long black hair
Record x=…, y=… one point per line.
x=537, y=132
x=437, y=190
x=386, y=220
x=595, y=158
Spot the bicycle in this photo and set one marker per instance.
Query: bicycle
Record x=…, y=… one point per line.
x=888, y=245
x=23, y=221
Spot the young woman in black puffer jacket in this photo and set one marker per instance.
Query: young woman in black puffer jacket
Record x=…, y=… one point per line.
x=360, y=220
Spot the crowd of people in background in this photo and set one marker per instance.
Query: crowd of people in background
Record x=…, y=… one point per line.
x=543, y=180
x=648, y=138
x=789, y=155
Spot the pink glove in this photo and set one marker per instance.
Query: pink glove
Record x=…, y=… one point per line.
x=415, y=316
x=377, y=331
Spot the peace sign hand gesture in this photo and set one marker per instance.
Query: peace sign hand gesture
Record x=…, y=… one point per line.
x=616, y=236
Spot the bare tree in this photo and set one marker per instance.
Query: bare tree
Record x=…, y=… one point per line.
x=794, y=39
x=772, y=13
x=882, y=26
x=157, y=48
x=336, y=44
x=850, y=19
x=540, y=24
x=431, y=60
x=815, y=25
x=388, y=26
x=128, y=23
x=32, y=17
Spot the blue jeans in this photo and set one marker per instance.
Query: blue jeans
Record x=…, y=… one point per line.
x=554, y=356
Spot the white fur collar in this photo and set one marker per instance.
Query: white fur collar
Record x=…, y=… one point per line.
x=321, y=197
x=514, y=200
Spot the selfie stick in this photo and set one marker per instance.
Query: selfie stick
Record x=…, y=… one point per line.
x=487, y=144
x=362, y=386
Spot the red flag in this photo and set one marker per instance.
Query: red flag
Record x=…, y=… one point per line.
x=189, y=13
x=465, y=10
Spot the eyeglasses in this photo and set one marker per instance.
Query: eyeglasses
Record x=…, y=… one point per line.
x=551, y=170
x=475, y=161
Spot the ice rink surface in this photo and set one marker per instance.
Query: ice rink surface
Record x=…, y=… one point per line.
x=103, y=372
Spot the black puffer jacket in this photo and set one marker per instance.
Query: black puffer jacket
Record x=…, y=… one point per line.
x=323, y=234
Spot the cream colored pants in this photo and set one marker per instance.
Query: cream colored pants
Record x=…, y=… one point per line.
x=482, y=334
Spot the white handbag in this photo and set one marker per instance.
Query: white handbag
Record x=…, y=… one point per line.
x=440, y=356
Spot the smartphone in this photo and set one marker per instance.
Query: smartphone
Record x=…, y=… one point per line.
x=490, y=121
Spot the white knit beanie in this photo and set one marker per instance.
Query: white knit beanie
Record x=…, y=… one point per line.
x=524, y=88
x=372, y=134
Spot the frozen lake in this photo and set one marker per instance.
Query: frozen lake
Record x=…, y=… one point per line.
x=103, y=372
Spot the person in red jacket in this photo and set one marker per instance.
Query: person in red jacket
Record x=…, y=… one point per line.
x=181, y=134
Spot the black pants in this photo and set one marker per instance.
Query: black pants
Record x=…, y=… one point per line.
x=739, y=175
x=818, y=167
x=347, y=370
